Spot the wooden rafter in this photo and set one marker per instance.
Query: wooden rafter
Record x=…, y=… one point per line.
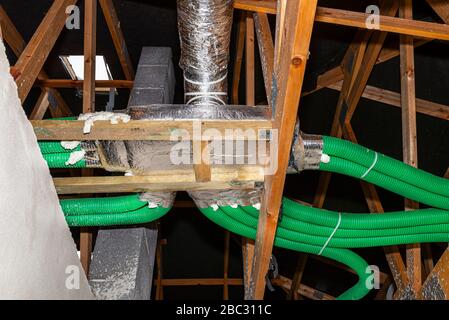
x=250, y=100
x=90, y=53
x=358, y=20
x=291, y=51
x=153, y=183
x=391, y=98
x=115, y=29
x=357, y=72
x=65, y=83
x=266, y=50
x=249, y=61
x=49, y=97
x=36, y=52
x=409, y=141
x=441, y=8
x=335, y=75
x=238, y=59
x=156, y=130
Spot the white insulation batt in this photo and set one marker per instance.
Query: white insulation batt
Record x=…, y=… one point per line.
x=38, y=258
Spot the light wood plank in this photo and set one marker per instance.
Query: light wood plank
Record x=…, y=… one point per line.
x=157, y=130
x=118, y=184
x=296, y=25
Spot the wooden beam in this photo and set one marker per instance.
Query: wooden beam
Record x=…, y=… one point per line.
x=157, y=130
x=391, y=98
x=85, y=248
x=387, y=24
x=303, y=290
x=159, y=288
x=41, y=106
x=201, y=156
x=201, y=282
x=90, y=54
x=436, y=286
x=296, y=19
x=78, y=84
x=36, y=52
x=227, y=241
x=369, y=61
x=53, y=98
x=357, y=79
x=351, y=67
x=266, y=50
x=333, y=76
x=297, y=277
x=10, y=34
x=358, y=20
x=249, y=61
x=119, y=184
x=392, y=253
x=264, y=6
x=238, y=59
x=248, y=258
x=409, y=141
x=114, y=26
x=441, y=8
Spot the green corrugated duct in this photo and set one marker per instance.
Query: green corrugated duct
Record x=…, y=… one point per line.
x=304, y=228
x=58, y=161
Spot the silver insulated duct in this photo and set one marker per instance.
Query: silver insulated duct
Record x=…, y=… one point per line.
x=205, y=32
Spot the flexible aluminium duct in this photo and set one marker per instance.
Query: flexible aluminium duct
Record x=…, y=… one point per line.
x=205, y=32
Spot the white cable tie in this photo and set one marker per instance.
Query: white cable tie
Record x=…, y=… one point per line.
x=332, y=234
x=325, y=158
x=376, y=157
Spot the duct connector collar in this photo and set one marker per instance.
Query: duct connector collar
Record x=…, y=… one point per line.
x=306, y=152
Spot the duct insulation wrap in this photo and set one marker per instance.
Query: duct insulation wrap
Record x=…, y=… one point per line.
x=205, y=32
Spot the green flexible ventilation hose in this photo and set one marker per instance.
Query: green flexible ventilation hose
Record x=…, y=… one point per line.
x=102, y=205
x=113, y=211
x=407, y=190
x=58, y=161
x=139, y=216
x=344, y=256
x=386, y=165
x=55, y=147
x=304, y=228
